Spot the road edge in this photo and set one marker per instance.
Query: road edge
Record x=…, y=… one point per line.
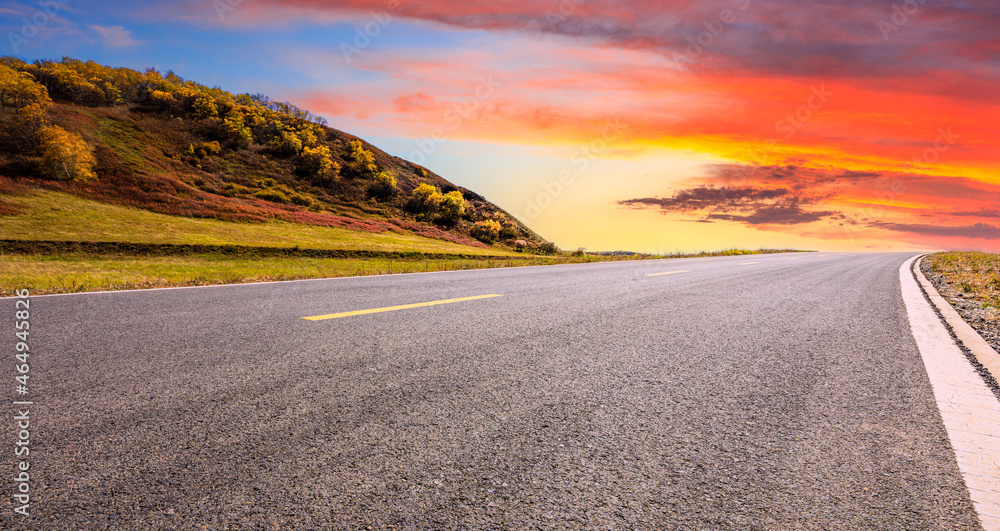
x=980, y=349
x=969, y=409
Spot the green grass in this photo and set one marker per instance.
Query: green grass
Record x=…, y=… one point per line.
x=43, y=274
x=49, y=215
x=73, y=273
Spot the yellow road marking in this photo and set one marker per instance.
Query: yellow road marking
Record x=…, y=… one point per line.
x=394, y=308
x=749, y=263
x=668, y=273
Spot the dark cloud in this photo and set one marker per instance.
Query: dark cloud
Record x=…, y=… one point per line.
x=708, y=197
x=795, y=176
x=777, y=215
x=824, y=39
x=977, y=230
x=751, y=205
x=981, y=213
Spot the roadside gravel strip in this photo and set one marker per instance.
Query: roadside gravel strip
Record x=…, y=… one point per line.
x=783, y=394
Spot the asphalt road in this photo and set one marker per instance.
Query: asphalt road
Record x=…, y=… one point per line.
x=754, y=392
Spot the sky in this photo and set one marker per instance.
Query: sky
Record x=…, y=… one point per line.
x=652, y=126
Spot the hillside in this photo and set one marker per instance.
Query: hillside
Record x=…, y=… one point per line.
x=162, y=144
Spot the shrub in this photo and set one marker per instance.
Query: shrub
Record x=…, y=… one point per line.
x=275, y=196
x=301, y=199
x=237, y=188
x=452, y=207
x=426, y=198
x=384, y=185
x=509, y=231
x=548, y=248
x=486, y=231
x=204, y=149
x=66, y=155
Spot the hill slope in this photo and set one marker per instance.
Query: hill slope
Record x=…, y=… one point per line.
x=167, y=145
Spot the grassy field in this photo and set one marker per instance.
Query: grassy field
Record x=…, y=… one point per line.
x=48, y=215
x=71, y=274
x=975, y=274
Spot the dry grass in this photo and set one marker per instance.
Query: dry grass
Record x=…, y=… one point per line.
x=975, y=274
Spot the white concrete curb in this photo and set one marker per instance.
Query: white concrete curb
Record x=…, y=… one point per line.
x=984, y=353
x=969, y=409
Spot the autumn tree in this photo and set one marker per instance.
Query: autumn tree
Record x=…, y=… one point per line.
x=287, y=143
x=236, y=129
x=205, y=107
x=362, y=163
x=318, y=162
x=24, y=105
x=66, y=155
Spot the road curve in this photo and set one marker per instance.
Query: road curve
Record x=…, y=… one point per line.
x=764, y=392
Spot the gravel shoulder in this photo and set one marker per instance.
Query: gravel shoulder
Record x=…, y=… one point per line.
x=966, y=281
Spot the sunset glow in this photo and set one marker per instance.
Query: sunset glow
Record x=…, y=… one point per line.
x=648, y=126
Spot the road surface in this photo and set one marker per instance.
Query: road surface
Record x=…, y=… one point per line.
x=751, y=392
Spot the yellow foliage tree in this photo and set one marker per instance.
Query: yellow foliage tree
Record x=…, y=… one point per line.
x=362, y=161
x=428, y=198
x=18, y=90
x=486, y=231
x=66, y=155
x=383, y=185
x=24, y=106
x=319, y=161
x=452, y=207
x=205, y=107
x=236, y=127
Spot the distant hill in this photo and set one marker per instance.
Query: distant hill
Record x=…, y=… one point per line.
x=169, y=145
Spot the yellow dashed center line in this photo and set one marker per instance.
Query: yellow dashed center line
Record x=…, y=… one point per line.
x=668, y=273
x=394, y=308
